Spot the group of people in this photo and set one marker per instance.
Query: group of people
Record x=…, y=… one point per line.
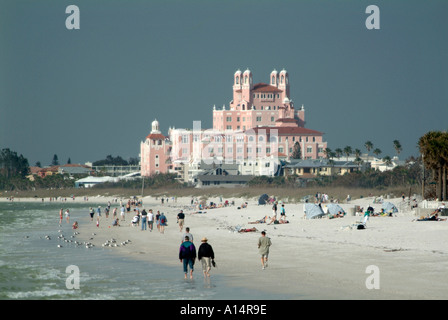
x=274, y=219
x=188, y=255
x=187, y=250
x=434, y=216
x=147, y=219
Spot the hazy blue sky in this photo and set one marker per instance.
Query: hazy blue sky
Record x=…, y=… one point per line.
x=84, y=94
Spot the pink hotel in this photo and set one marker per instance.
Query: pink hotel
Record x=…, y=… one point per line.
x=260, y=126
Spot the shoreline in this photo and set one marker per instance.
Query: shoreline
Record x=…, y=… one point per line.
x=309, y=259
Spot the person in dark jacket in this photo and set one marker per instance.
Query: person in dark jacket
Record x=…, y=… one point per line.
x=206, y=256
x=187, y=255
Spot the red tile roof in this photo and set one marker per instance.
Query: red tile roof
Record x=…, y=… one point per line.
x=263, y=87
x=289, y=131
x=156, y=136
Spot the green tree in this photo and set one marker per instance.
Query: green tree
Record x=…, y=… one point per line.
x=397, y=146
x=338, y=152
x=12, y=165
x=296, y=152
x=434, y=149
x=377, y=152
x=55, y=161
x=348, y=151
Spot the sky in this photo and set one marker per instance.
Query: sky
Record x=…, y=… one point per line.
x=86, y=93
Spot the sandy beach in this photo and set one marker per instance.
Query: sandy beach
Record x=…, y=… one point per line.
x=309, y=259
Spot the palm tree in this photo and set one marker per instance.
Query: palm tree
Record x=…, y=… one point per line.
x=328, y=153
x=347, y=151
x=369, y=146
x=397, y=146
x=377, y=152
x=387, y=160
x=338, y=152
x=434, y=149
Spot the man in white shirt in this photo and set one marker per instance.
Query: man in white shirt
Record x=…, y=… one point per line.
x=150, y=219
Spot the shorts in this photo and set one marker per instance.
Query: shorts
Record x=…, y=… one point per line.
x=188, y=263
x=180, y=222
x=206, y=263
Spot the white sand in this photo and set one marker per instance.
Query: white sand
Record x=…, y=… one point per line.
x=309, y=259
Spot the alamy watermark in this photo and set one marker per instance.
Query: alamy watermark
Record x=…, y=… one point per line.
x=73, y=280
x=373, y=280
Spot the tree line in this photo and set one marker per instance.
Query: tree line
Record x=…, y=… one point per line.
x=429, y=169
x=434, y=150
x=348, y=150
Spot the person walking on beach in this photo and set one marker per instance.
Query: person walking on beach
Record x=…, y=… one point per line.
x=144, y=217
x=263, y=248
x=150, y=220
x=187, y=234
x=274, y=209
x=180, y=220
x=98, y=211
x=206, y=256
x=60, y=215
x=282, y=213
x=92, y=213
x=158, y=220
x=123, y=210
x=67, y=216
x=162, y=222
x=187, y=256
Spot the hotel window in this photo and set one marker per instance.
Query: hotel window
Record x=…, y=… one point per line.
x=238, y=119
x=268, y=150
x=229, y=150
x=229, y=127
x=280, y=149
x=258, y=119
x=228, y=119
x=184, y=138
x=309, y=149
x=239, y=150
x=272, y=118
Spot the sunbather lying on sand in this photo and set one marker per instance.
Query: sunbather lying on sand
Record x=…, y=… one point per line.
x=262, y=220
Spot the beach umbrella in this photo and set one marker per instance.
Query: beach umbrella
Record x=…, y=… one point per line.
x=313, y=211
x=334, y=208
x=389, y=207
x=263, y=199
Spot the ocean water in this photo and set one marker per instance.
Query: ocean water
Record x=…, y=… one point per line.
x=33, y=267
